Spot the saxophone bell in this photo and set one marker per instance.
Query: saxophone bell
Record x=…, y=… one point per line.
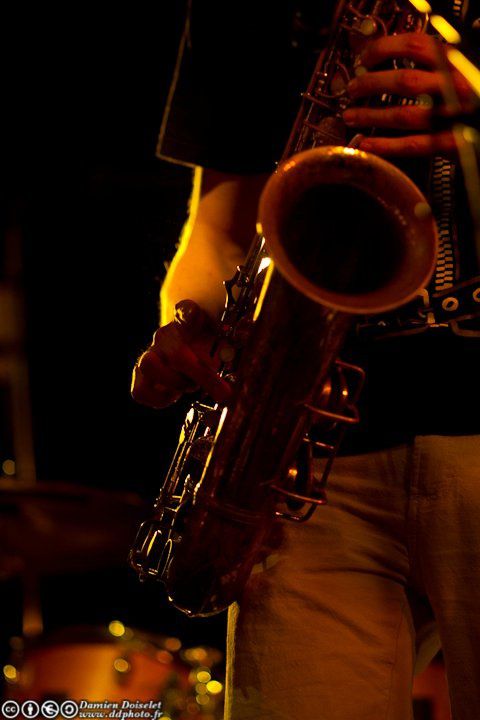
x=348, y=230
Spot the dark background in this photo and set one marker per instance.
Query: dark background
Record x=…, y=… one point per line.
x=99, y=215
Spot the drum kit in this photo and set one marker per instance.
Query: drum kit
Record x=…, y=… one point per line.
x=47, y=529
x=114, y=668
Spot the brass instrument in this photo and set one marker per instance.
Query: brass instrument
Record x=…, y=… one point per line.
x=309, y=273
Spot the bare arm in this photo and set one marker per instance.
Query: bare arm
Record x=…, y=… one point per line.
x=214, y=241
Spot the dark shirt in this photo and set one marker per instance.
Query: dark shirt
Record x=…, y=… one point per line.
x=238, y=80
x=233, y=100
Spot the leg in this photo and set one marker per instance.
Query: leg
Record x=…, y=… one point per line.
x=324, y=630
x=445, y=521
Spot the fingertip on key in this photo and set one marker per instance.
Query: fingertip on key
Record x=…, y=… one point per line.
x=360, y=70
x=366, y=146
x=352, y=87
x=349, y=117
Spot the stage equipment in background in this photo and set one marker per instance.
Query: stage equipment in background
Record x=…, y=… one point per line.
x=117, y=664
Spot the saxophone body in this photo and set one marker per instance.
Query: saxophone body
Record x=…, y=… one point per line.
x=341, y=234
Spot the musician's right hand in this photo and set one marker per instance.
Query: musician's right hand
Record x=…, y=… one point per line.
x=179, y=361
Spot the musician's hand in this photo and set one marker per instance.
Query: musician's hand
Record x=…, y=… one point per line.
x=424, y=82
x=178, y=361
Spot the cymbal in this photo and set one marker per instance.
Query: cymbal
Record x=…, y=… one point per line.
x=58, y=527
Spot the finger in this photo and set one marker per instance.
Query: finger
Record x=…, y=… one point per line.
x=411, y=146
x=157, y=372
x=173, y=350
x=187, y=363
x=154, y=396
x=191, y=320
x=169, y=341
x=422, y=49
x=408, y=83
x=404, y=117
x=191, y=326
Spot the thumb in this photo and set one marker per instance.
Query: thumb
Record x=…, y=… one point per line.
x=191, y=320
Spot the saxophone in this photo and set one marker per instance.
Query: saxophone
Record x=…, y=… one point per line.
x=341, y=234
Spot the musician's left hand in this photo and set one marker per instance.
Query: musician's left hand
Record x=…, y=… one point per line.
x=425, y=81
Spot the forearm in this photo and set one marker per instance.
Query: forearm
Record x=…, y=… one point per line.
x=215, y=239
x=198, y=270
